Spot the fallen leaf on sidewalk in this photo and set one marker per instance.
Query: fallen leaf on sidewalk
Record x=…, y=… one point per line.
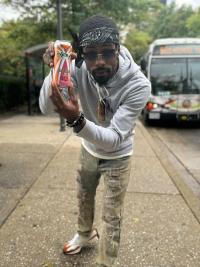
x=136, y=220
x=47, y=265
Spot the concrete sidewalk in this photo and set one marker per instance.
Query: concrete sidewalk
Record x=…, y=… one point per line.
x=38, y=202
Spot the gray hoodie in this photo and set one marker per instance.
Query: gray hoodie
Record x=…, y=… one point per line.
x=125, y=95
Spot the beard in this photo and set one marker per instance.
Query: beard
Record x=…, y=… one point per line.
x=102, y=75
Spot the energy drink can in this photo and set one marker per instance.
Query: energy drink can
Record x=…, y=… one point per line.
x=61, y=71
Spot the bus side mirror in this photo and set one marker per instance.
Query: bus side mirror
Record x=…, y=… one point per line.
x=143, y=64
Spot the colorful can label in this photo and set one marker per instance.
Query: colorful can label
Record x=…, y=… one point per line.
x=61, y=72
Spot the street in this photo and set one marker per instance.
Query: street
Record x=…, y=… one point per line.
x=183, y=142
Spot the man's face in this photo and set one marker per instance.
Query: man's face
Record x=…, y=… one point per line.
x=101, y=61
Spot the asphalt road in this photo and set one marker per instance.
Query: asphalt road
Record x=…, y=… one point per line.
x=183, y=142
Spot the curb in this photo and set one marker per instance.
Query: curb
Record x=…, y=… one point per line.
x=183, y=180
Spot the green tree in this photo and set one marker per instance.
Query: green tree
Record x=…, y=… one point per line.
x=18, y=36
x=193, y=24
x=137, y=42
x=171, y=22
x=74, y=11
x=142, y=13
x=37, y=24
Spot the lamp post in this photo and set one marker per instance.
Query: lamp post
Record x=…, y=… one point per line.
x=59, y=19
x=60, y=37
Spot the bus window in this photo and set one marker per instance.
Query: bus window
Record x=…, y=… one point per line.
x=168, y=75
x=194, y=77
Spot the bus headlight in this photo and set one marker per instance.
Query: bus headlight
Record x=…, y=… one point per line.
x=155, y=105
x=151, y=106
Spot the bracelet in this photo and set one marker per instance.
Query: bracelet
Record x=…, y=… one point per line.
x=77, y=122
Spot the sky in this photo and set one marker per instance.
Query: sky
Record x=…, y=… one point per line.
x=193, y=3
x=8, y=13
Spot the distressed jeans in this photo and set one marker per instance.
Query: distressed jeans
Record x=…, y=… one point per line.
x=116, y=173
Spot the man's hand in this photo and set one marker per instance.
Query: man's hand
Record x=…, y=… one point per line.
x=69, y=109
x=48, y=56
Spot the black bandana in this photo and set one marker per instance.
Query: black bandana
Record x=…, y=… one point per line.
x=96, y=30
x=99, y=35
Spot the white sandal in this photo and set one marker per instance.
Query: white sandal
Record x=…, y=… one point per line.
x=75, y=245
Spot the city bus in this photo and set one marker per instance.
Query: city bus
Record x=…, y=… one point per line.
x=173, y=67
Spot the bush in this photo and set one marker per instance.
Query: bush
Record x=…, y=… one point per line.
x=137, y=43
x=12, y=92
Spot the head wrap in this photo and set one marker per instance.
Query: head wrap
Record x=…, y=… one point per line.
x=96, y=30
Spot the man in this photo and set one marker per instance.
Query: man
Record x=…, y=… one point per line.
x=112, y=92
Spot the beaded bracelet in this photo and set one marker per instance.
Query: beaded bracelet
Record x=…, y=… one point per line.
x=77, y=122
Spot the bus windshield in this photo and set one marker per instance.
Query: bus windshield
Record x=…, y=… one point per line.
x=170, y=76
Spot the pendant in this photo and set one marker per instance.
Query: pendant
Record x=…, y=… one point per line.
x=101, y=111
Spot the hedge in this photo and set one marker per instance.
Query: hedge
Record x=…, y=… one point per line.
x=12, y=92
